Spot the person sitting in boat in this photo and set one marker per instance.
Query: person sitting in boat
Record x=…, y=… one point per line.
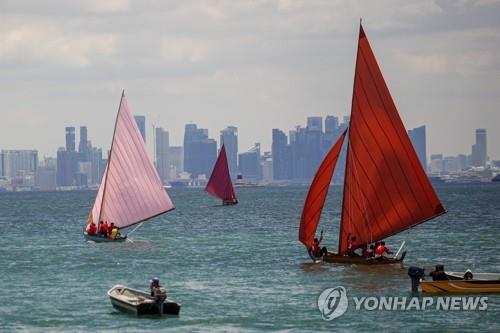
x=104, y=229
x=468, y=275
x=351, y=246
x=113, y=231
x=381, y=249
x=232, y=201
x=91, y=229
x=156, y=289
x=439, y=274
x=315, y=251
x=366, y=252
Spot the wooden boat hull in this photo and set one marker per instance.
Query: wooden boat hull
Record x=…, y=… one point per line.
x=461, y=287
x=98, y=239
x=138, y=303
x=335, y=258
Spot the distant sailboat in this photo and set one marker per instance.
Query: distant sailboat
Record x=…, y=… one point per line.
x=386, y=190
x=131, y=191
x=219, y=184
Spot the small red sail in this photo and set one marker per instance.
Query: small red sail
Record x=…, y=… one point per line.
x=220, y=184
x=317, y=194
x=386, y=190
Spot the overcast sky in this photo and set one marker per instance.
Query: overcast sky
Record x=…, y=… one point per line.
x=256, y=65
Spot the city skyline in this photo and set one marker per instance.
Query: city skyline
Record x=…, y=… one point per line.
x=255, y=65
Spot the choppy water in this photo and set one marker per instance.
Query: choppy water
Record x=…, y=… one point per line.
x=235, y=268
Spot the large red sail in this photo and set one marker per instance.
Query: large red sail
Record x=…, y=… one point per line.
x=385, y=190
x=317, y=194
x=220, y=184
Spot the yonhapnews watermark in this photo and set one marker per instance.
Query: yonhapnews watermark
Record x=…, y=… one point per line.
x=333, y=303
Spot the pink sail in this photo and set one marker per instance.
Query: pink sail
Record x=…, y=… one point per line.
x=131, y=190
x=220, y=184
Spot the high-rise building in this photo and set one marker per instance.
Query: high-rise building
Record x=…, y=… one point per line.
x=162, y=150
x=282, y=159
x=229, y=137
x=479, y=149
x=200, y=152
x=418, y=139
x=176, y=161
x=141, y=123
x=19, y=163
x=331, y=124
x=46, y=174
x=436, y=165
x=83, y=145
x=97, y=165
x=249, y=163
x=70, y=139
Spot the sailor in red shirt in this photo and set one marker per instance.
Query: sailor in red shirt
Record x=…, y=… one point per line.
x=91, y=229
x=315, y=251
x=104, y=229
x=351, y=246
x=381, y=249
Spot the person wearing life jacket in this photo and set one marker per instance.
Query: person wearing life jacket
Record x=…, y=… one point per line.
x=365, y=252
x=381, y=249
x=351, y=246
x=104, y=229
x=91, y=229
x=316, y=251
x=113, y=231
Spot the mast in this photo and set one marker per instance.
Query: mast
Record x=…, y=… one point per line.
x=109, y=157
x=348, y=139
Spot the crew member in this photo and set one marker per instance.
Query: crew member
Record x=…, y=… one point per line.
x=315, y=251
x=439, y=274
x=91, y=229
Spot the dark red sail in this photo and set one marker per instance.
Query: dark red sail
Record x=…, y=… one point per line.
x=385, y=190
x=220, y=184
x=317, y=194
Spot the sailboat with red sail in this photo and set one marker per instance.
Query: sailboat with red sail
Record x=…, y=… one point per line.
x=386, y=190
x=219, y=184
x=131, y=191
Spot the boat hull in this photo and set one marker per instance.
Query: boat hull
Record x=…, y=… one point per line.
x=98, y=239
x=461, y=287
x=139, y=303
x=335, y=258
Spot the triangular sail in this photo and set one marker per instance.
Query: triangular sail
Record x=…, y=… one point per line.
x=385, y=190
x=219, y=184
x=317, y=194
x=131, y=190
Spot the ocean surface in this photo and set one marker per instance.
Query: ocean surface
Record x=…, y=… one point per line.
x=238, y=268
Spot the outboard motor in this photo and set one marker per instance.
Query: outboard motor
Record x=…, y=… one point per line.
x=415, y=273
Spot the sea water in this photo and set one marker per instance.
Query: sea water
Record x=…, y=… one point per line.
x=235, y=268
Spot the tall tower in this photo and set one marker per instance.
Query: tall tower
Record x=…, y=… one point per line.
x=141, y=123
x=83, y=146
x=417, y=137
x=229, y=137
x=70, y=139
x=162, y=150
x=479, y=149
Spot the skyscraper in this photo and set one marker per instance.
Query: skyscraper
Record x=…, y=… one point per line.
x=176, y=161
x=249, y=163
x=19, y=163
x=70, y=139
x=479, y=149
x=229, y=137
x=200, y=152
x=418, y=139
x=83, y=146
x=141, y=123
x=282, y=159
x=162, y=150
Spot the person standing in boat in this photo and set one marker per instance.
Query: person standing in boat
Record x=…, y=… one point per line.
x=104, y=229
x=315, y=251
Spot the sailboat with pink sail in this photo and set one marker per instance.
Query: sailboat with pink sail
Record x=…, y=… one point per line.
x=219, y=184
x=131, y=191
x=386, y=190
